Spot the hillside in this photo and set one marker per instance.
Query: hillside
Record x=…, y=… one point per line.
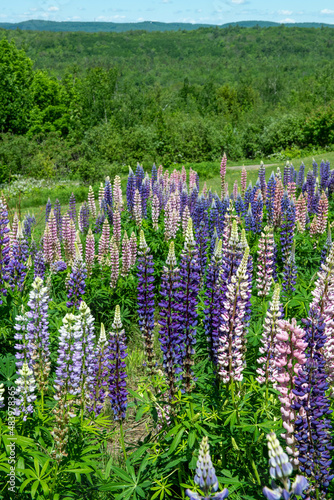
x=94, y=27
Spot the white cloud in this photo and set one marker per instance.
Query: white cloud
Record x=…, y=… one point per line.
x=285, y=12
x=238, y=2
x=53, y=8
x=287, y=20
x=327, y=11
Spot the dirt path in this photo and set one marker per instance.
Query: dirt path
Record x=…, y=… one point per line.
x=251, y=167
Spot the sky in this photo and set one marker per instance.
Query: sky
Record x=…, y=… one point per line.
x=186, y=11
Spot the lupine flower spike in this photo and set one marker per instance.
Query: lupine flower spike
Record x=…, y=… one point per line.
x=117, y=384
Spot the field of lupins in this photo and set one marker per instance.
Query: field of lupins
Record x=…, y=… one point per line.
x=170, y=343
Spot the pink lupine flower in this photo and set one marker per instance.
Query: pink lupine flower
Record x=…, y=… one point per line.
x=114, y=261
x=231, y=350
x=322, y=213
x=279, y=192
x=91, y=202
x=137, y=209
x=266, y=372
x=291, y=188
x=155, y=212
x=322, y=285
x=301, y=212
x=90, y=252
x=101, y=195
x=204, y=190
x=265, y=262
x=160, y=171
x=117, y=194
x=183, y=175
x=222, y=175
x=117, y=226
x=243, y=181
x=289, y=357
x=313, y=226
x=51, y=244
x=192, y=179
x=69, y=236
x=126, y=255
x=235, y=190
x=79, y=245
x=133, y=249
x=104, y=242
x=47, y=245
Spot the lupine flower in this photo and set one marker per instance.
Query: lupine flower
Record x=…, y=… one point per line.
x=313, y=228
x=323, y=283
x=212, y=301
x=146, y=297
x=54, y=240
x=47, y=210
x=258, y=212
x=99, y=223
x=155, y=212
x=4, y=249
x=85, y=356
x=310, y=187
x=77, y=281
x=133, y=249
x=233, y=325
x=243, y=181
x=79, y=244
x=39, y=265
x=223, y=174
x=83, y=221
x=91, y=202
x=137, y=211
x=117, y=193
x=90, y=252
x=205, y=476
x=126, y=255
x=315, y=202
x=287, y=226
x=249, y=220
x=114, y=261
x=169, y=336
x=324, y=174
x=322, y=215
x=58, y=266
x=262, y=178
x=327, y=246
x=17, y=265
x=279, y=191
x=72, y=211
x=286, y=175
x=266, y=372
x=300, y=176
x=98, y=385
x=108, y=192
x=280, y=470
x=312, y=425
x=25, y=392
x=101, y=196
x=117, y=227
x=144, y=194
x=104, y=243
x=289, y=358
x=14, y=229
x=117, y=384
x=290, y=272
x=265, y=262
x=185, y=219
x=301, y=212
x=140, y=174
x=28, y=222
x=130, y=191
x=188, y=299
x=68, y=231
x=58, y=217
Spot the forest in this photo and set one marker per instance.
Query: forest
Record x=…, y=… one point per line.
x=73, y=102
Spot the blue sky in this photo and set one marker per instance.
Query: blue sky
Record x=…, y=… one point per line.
x=190, y=11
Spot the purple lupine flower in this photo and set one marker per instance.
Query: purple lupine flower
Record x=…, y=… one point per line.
x=140, y=174
x=4, y=249
x=48, y=209
x=145, y=193
x=205, y=477
x=77, y=281
x=39, y=265
x=18, y=262
x=212, y=301
x=290, y=272
x=57, y=214
x=300, y=176
x=231, y=352
x=99, y=223
x=193, y=200
x=310, y=187
x=249, y=220
x=262, y=179
x=315, y=202
x=98, y=385
x=146, y=297
x=287, y=226
x=130, y=191
x=188, y=299
x=258, y=212
x=108, y=192
x=84, y=218
x=248, y=198
x=286, y=175
x=117, y=384
x=324, y=174
x=28, y=222
x=25, y=392
x=202, y=240
x=268, y=340
x=169, y=337
x=312, y=425
x=58, y=266
x=280, y=470
x=72, y=211
x=154, y=175
x=183, y=201
x=239, y=205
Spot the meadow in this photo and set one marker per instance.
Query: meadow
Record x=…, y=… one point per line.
x=168, y=334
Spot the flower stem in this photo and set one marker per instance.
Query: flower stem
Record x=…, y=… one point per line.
x=122, y=440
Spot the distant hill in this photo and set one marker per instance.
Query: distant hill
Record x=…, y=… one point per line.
x=94, y=27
